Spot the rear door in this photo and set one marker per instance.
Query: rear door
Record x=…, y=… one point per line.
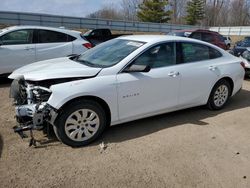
x=16, y=50
x=198, y=71
x=52, y=44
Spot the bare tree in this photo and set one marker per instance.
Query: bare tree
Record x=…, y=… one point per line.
x=179, y=10
x=107, y=12
x=239, y=12
x=129, y=9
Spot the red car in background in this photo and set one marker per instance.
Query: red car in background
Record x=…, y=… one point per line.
x=210, y=37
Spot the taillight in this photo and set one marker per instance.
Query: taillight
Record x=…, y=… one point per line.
x=243, y=65
x=87, y=45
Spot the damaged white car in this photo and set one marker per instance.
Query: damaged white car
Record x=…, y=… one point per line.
x=121, y=80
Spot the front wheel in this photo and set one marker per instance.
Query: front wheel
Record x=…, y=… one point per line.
x=80, y=123
x=219, y=95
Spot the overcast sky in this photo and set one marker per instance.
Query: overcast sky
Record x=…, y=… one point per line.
x=60, y=7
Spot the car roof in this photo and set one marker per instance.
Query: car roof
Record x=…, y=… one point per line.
x=156, y=38
x=63, y=30
x=206, y=31
x=184, y=30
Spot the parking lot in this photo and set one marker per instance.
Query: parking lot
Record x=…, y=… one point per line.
x=189, y=148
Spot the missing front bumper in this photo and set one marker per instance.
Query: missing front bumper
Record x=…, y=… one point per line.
x=33, y=117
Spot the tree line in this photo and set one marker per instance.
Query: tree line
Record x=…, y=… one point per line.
x=192, y=12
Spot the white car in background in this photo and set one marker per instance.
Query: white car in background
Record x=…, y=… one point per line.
x=22, y=45
x=122, y=80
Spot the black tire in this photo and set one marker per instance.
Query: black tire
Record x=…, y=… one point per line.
x=76, y=107
x=212, y=105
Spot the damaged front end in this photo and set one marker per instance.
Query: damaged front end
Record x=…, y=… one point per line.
x=31, y=108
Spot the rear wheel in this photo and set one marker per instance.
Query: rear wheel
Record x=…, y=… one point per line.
x=80, y=123
x=219, y=95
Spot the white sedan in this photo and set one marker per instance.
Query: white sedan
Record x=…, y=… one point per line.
x=121, y=80
x=22, y=45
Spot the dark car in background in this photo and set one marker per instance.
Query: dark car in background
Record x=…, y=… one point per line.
x=210, y=37
x=97, y=36
x=240, y=47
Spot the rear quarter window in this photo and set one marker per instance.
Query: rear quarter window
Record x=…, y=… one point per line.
x=213, y=53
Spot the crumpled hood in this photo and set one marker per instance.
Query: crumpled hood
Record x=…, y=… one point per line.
x=53, y=69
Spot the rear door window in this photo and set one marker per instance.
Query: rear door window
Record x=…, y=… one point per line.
x=46, y=36
x=193, y=52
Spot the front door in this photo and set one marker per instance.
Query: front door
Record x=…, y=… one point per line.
x=16, y=50
x=144, y=93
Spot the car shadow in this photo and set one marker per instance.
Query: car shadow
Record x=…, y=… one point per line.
x=147, y=126
x=1, y=145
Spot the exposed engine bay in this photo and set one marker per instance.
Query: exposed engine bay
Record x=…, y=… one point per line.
x=32, y=111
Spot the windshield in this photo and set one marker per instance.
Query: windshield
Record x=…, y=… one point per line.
x=109, y=53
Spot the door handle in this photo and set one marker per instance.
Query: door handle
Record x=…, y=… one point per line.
x=212, y=68
x=173, y=74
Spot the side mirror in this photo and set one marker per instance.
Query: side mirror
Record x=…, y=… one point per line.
x=137, y=68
